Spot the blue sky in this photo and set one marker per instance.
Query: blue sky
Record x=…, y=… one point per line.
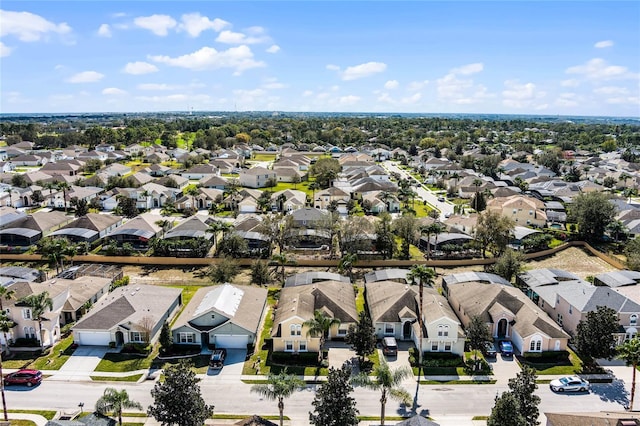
x=570, y=58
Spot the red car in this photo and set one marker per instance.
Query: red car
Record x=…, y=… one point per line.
x=24, y=377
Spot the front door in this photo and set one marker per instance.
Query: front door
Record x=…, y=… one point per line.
x=406, y=330
x=205, y=339
x=502, y=328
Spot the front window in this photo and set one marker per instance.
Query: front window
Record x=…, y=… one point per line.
x=560, y=319
x=26, y=313
x=137, y=336
x=342, y=332
x=186, y=337
x=302, y=346
x=633, y=320
x=288, y=346
x=389, y=329
x=447, y=347
x=445, y=331
x=434, y=347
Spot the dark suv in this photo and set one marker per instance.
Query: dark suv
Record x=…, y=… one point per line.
x=24, y=377
x=390, y=346
x=217, y=358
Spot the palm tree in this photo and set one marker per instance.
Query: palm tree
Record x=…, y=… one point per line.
x=163, y=224
x=424, y=276
x=215, y=227
x=5, y=327
x=281, y=260
x=9, y=190
x=347, y=262
x=113, y=401
x=193, y=192
x=50, y=186
x=388, y=382
x=64, y=186
x=630, y=353
x=38, y=304
x=5, y=294
x=278, y=387
x=313, y=186
x=319, y=326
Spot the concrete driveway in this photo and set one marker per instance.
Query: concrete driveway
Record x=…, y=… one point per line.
x=233, y=364
x=81, y=363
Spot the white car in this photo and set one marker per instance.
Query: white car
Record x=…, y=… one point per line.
x=569, y=384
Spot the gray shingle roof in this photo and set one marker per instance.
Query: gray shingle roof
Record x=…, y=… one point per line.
x=305, y=278
x=386, y=274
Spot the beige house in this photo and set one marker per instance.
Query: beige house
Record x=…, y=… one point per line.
x=324, y=198
x=298, y=304
x=393, y=308
x=509, y=313
x=525, y=211
x=256, y=177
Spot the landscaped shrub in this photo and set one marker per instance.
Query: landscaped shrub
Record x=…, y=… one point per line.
x=547, y=357
x=135, y=348
x=27, y=343
x=119, y=283
x=482, y=367
x=435, y=359
x=176, y=350
x=300, y=358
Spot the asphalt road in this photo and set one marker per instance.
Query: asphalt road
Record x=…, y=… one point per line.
x=423, y=192
x=234, y=397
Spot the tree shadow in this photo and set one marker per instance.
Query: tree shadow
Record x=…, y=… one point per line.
x=613, y=392
x=414, y=409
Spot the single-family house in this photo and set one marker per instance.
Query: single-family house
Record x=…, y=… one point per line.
x=225, y=316
x=137, y=231
x=89, y=228
x=29, y=230
x=298, y=304
x=129, y=314
x=523, y=210
x=256, y=177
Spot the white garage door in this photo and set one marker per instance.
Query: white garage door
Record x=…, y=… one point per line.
x=231, y=342
x=94, y=338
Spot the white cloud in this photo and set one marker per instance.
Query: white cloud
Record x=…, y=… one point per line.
x=157, y=24
x=139, y=68
x=363, y=70
x=468, y=69
x=4, y=50
x=85, y=77
x=631, y=100
x=349, y=100
x=238, y=58
x=274, y=85
x=611, y=90
x=572, y=82
x=452, y=89
x=114, y=91
x=603, y=44
x=519, y=95
x=194, y=23
x=28, y=26
x=391, y=84
x=156, y=86
x=104, y=30
x=273, y=49
x=417, y=85
x=332, y=67
x=567, y=100
x=598, y=69
x=230, y=37
x=307, y=93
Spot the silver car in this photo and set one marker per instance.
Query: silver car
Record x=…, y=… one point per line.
x=569, y=384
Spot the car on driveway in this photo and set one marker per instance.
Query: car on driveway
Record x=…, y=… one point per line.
x=506, y=348
x=217, y=359
x=390, y=346
x=24, y=377
x=569, y=384
x=489, y=350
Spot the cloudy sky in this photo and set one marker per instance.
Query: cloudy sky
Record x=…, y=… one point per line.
x=573, y=58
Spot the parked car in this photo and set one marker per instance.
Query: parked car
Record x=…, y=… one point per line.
x=24, y=377
x=441, y=199
x=489, y=350
x=389, y=346
x=569, y=384
x=506, y=348
x=217, y=358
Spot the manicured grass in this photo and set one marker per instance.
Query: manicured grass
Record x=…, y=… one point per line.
x=360, y=299
x=264, y=157
x=47, y=414
x=244, y=416
x=132, y=424
x=440, y=371
x=546, y=369
x=415, y=253
x=52, y=361
x=133, y=414
x=261, y=349
x=132, y=378
x=187, y=293
x=458, y=382
x=21, y=422
x=374, y=418
x=302, y=186
x=480, y=418
x=113, y=362
x=421, y=209
x=200, y=363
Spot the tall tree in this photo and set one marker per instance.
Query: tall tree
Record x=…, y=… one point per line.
x=509, y=264
x=39, y=303
x=260, y=273
x=362, y=336
x=278, y=387
x=406, y=227
x=178, y=400
x=592, y=212
x=5, y=327
x=319, y=326
x=64, y=187
x=280, y=262
x=166, y=337
x=346, y=263
x=114, y=401
x=423, y=276
x=493, y=232
x=333, y=403
x=5, y=294
x=594, y=335
x=385, y=241
x=630, y=353
x=388, y=382
x=478, y=334
x=506, y=412
x=523, y=388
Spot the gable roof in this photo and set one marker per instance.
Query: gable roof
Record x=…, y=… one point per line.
x=306, y=278
x=386, y=299
x=386, y=274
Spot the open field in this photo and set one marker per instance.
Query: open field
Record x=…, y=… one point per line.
x=573, y=260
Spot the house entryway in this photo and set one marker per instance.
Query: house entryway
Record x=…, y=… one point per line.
x=502, y=328
x=406, y=330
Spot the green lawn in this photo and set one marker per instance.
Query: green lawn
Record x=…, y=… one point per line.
x=360, y=299
x=545, y=369
x=187, y=293
x=47, y=414
x=264, y=156
x=200, y=363
x=261, y=349
x=302, y=186
x=114, y=362
x=132, y=378
x=54, y=359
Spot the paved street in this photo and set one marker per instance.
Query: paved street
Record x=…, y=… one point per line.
x=446, y=208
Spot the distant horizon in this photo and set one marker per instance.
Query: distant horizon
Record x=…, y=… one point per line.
x=455, y=57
